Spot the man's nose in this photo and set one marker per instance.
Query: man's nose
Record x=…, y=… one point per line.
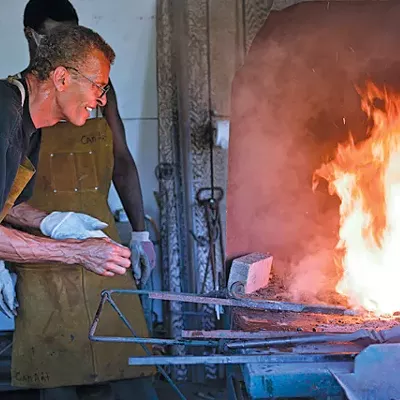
x=102, y=101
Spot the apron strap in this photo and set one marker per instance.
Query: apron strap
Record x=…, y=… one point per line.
x=14, y=80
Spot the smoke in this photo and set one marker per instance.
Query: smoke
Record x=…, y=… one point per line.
x=293, y=101
x=307, y=222
x=314, y=277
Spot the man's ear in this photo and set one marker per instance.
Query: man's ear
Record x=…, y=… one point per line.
x=61, y=78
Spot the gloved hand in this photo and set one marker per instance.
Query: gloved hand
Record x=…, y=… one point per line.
x=8, y=299
x=143, y=257
x=71, y=225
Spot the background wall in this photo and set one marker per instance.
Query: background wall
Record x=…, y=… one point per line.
x=129, y=26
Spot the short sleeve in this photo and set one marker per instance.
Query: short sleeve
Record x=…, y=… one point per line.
x=10, y=118
x=33, y=155
x=3, y=167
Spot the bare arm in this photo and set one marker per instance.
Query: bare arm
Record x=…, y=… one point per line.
x=25, y=216
x=125, y=174
x=101, y=256
x=19, y=246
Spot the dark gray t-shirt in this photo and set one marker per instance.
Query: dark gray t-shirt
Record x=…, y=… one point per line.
x=18, y=139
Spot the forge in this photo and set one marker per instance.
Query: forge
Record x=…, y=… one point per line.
x=318, y=351
x=296, y=100
x=292, y=328
x=295, y=104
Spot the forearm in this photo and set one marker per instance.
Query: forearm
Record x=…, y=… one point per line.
x=25, y=216
x=17, y=246
x=126, y=181
x=125, y=174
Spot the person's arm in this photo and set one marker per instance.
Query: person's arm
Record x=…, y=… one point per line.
x=21, y=247
x=97, y=255
x=25, y=216
x=126, y=181
x=125, y=174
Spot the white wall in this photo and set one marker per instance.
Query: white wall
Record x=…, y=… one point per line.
x=129, y=26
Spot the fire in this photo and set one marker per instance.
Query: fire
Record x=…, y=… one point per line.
x=366, y=177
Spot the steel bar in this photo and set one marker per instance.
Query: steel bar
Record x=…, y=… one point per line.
x=93, y=326
x=316, y=348
x=156, y=341
x=252, y=304
x=240, y=359
x=307, y=339
x=369, y=336
x=266, y=305
x=229, y=334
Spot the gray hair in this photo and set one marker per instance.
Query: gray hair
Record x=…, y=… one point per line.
x=67, y=46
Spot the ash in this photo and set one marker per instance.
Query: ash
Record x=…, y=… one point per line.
x=306, y=322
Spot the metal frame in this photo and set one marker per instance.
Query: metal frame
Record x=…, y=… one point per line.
x=219, y=341
x=311, y=352
x=106, y=296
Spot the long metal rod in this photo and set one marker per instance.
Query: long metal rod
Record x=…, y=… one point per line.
x=106, y=296
x=307, y=339
x=242, y=302
x=368, y=336
x=156, y=341
x=240, y=359
x=229, y=334
x=253, y=304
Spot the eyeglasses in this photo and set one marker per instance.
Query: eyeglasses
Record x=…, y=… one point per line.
x=104, y=89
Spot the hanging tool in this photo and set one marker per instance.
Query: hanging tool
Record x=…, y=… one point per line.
x=210, y=199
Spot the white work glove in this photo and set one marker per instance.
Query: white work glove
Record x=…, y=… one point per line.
x=143, y=257
x=8, y=299
x=71, y=225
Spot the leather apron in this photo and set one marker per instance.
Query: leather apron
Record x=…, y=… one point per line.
x=24, y=174
x=57, y=303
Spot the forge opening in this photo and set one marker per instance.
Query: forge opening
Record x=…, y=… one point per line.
x=293, y=102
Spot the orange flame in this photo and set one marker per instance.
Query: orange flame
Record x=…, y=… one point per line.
x=366, y=177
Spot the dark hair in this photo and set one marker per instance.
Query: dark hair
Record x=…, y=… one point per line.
x=37, y=11
x=67, y=46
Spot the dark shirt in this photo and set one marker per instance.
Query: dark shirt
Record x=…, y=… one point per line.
x=18, y=139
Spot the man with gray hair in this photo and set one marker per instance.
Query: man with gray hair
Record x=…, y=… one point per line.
x=52, y=91
x=67, y=79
